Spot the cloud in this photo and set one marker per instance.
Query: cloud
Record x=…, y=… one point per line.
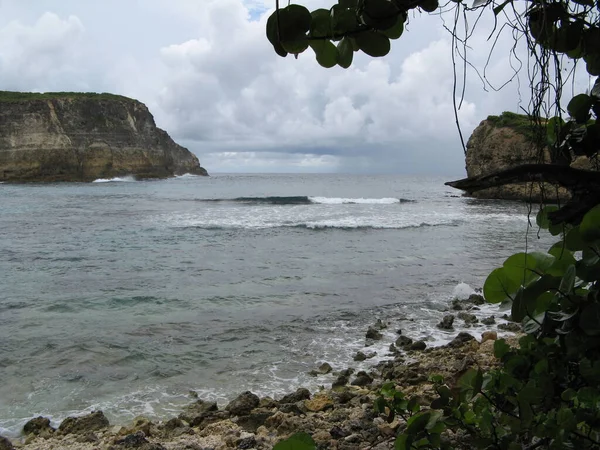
x=213, y=81
x=31, y=55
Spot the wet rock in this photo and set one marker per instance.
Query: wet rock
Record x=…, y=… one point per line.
x=243, y=404
x=197, y=409
x=347, y=372
x=341, y=380
x=142, y=424
x=461, y=339
x=319, y=403
x=399, y=331
x=362, y=379
x=267, y=402
x=89, y=438
x=203, y=420
x=85, y=424
x=324, y=368
x=510, y=326
x=5, y=444
x=360, y=356
x=456, y=304
x=476, y=299
x=403, y=341
x=38, y=426
x=373, y=334
x=246, y=443
x=299, y=395
x=173, y=424
x=137, y=440
x=489, y=320
x=338, y=432
x=380, y=325
x=255, y=419
x=489, y=336
x=291, y=408
x=446, y=323
x=419, y=345
x=468, y=318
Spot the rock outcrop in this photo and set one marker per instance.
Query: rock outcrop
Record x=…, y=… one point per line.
x=502, y=142
x=83, y=137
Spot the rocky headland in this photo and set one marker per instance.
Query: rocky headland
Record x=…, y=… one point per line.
x=506, y=141
x=83, y=137
x=337, y=417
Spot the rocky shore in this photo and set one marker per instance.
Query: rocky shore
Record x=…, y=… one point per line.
x=338, y=417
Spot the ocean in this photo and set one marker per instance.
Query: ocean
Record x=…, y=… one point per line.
x=126, y=295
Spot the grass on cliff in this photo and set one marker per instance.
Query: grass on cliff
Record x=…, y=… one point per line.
x=518, y=122
x=12, y=96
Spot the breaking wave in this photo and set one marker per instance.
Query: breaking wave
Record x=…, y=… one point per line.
x=126, y=179
x=305, y=200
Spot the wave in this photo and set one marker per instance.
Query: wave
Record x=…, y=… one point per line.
x=319, y=226
x=126, y=179
x=305, y=200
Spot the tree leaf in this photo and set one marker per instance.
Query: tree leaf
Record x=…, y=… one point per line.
x=320, y=25
x=429, y=5
x=501, y=348
x=403, y=442
x=373, y=43
x=579, y=107
x=345, y=53
x=326, y=52
x=589, y=320
x=418, y=422
x=380, y=14
x=589, y=228
x=499, y=287
x=298, y=441
x=396, y=30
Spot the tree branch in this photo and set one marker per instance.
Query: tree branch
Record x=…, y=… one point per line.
x=584, y=186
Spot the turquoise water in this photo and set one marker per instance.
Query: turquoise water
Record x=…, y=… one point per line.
x=126, y=295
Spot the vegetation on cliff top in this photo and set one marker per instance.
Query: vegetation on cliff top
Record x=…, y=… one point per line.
x=13, y=96
x=518, y=122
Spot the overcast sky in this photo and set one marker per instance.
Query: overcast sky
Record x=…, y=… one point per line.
x=210, y=77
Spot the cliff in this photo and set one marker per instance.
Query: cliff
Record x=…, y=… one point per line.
x=83, y=137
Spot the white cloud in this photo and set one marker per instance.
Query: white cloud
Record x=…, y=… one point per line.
x=207, y=71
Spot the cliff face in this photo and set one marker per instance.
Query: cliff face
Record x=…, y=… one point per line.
x=83, y=137
x=502, y=142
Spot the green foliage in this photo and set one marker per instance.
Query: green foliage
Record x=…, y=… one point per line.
x=12, y=96
x=546, y=394
x=298, y=441
x=518, y=122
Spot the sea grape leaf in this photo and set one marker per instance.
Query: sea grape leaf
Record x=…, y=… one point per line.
x=396, y=30
x=589, y=228
x=499, y=286
x=373, y=43
x=325, y=52
x=345, y=53
x=589, y=320
x=298, y=441
x=579, y=107
x=320, y=26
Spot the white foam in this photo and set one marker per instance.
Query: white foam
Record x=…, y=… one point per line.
x=462, y=291
x=126, y=179
x=362, y=201
x=187, y=175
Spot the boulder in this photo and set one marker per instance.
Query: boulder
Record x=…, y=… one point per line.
x=446, y=323
x=489, y=320
x=255, y=419
x=403, y=341
x=199, y=408
x=461, y=339
x=476, y=299
x=468, y=318
x=38, y=426
x=373, y=334
x=418, y=345
x=5, y=444
x=324, y=368
x=137, y=440
x=489, y=336
x=360, y=356
x=362, y=379
x=510, y=326
x=243, y=404
x=319, y=403
x=299, y=395
x=85, y=424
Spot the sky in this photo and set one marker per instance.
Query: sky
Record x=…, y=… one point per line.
x=213, y=82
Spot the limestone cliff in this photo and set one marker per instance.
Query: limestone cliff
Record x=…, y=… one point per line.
x=83, y=137
x=502, y=142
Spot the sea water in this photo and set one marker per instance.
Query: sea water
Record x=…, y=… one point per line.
x=125, y=296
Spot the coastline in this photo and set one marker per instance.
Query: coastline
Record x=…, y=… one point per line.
x=338, y=417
